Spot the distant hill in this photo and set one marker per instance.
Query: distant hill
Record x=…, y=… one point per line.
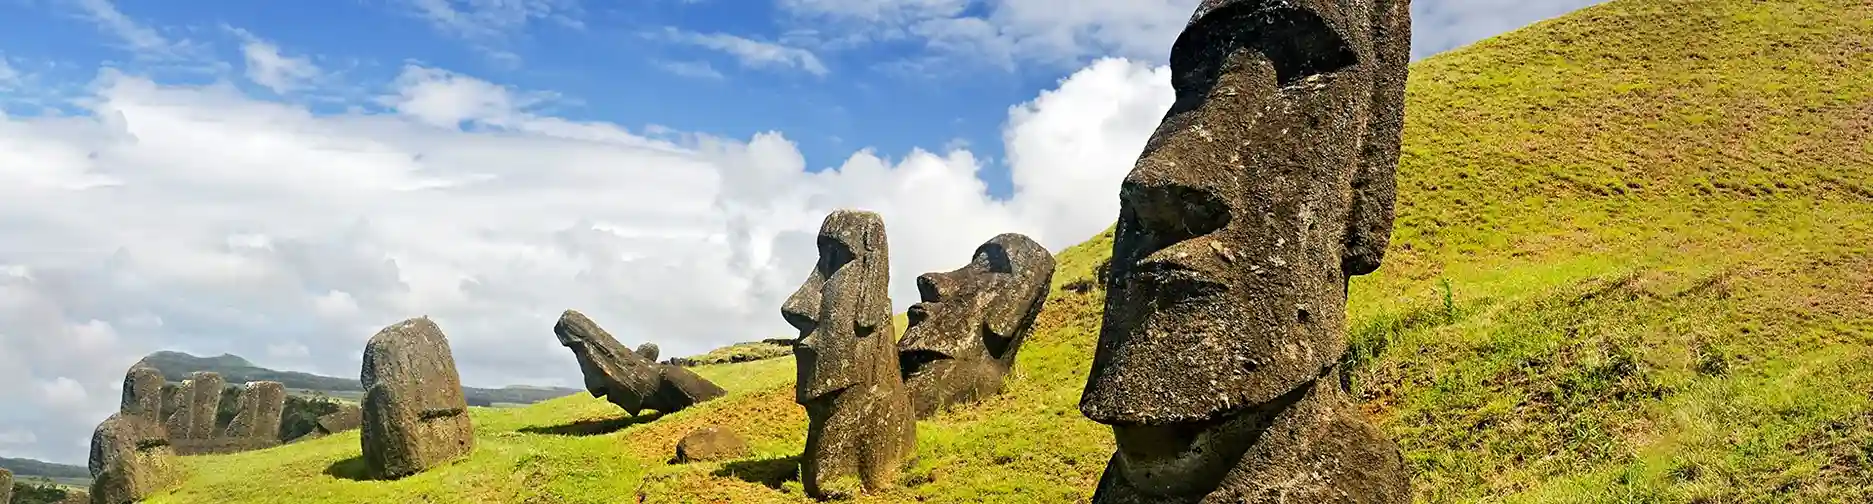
x=29, y=467
x=235, y=369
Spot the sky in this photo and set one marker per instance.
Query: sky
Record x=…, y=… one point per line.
x=280, y=180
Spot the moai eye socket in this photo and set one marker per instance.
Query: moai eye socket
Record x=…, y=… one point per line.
x=1173, y=214
x=833, y=255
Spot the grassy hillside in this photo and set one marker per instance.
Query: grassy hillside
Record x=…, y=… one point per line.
x=1632, y=265
x=236, y=370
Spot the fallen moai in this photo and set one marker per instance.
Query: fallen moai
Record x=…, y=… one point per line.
x=1267, y=185
x=414, y=414
x=860, y=428
x=964, y=335
x=629, y=379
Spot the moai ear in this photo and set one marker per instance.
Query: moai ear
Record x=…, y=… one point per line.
x=1375, y=186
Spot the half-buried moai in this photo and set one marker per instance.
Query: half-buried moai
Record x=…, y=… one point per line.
x=1267, y=185
x=131, y=457
x=258, y=415
x=198, y=400
x=860, y=428
x=964, y=335
x=415, y=416
x=626, y=378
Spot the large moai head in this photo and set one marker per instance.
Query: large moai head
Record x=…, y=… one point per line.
x=842, y=310
x=415, y=416
x=966, y=331
x=1267, y=184
x=131, y=458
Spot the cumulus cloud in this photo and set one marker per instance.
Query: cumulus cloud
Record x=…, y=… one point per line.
x=751, y=53
x=202, y=219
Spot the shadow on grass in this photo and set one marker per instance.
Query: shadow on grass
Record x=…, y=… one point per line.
x=771, y=473
x=594, y=427
x=349, y=469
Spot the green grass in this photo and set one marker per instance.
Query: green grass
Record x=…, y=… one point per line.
x=1632, y=264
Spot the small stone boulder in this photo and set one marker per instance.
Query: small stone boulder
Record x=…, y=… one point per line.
x=131, y=459
x=415, y=416
x=710, y=444
x=648, y=351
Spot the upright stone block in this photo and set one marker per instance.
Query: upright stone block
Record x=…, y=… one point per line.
x=260, y=406
x=415, y=416
x=131, y=460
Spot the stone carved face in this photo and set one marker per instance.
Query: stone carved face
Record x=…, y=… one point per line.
x=842, y=311
x=611, y=370
x=1267, y=184
x=980, y=312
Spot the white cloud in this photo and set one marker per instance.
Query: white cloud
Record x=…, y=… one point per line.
x=234, y=224
x=692, y=69
x=17, y=437
x=752, y=53
x=1056, y=34
x=142, y=40
x=493, y=19
x=8, y=76
x=266, y=66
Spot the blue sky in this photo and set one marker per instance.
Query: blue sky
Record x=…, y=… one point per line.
x=279, y=180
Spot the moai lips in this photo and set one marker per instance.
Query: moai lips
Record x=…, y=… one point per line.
x=964, y=335
x=1267, y=184
x=859, y=424
x=631, y=380
x=415, y=416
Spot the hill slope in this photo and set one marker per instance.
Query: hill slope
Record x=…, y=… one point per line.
x=234, y=369
x=1632, y=265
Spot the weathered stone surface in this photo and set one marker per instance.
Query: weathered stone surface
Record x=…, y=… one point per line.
x=349, y=416
x=648, y=351
x=143, y=392
x=415, y=416
x=964, y=335
x=197, y=402
x=130, y=460
x=627, y=378
x=6, y=483
x=1267, y=185
x=860, y=428
x=261, y=404
x=710, y=444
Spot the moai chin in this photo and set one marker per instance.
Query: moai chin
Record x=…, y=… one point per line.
x=414, y=413
x=859, y=424
x=1266, y=186
x=964, y=335
x=632, y=380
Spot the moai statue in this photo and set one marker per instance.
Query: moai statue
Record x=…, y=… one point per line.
x=860, y=428
x=198, y=400
x=629, y=379
x=260, y=406
x=963, y=337
x=415, y=416
x=143, y=392
x=131, y=457
x=1267, y=185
